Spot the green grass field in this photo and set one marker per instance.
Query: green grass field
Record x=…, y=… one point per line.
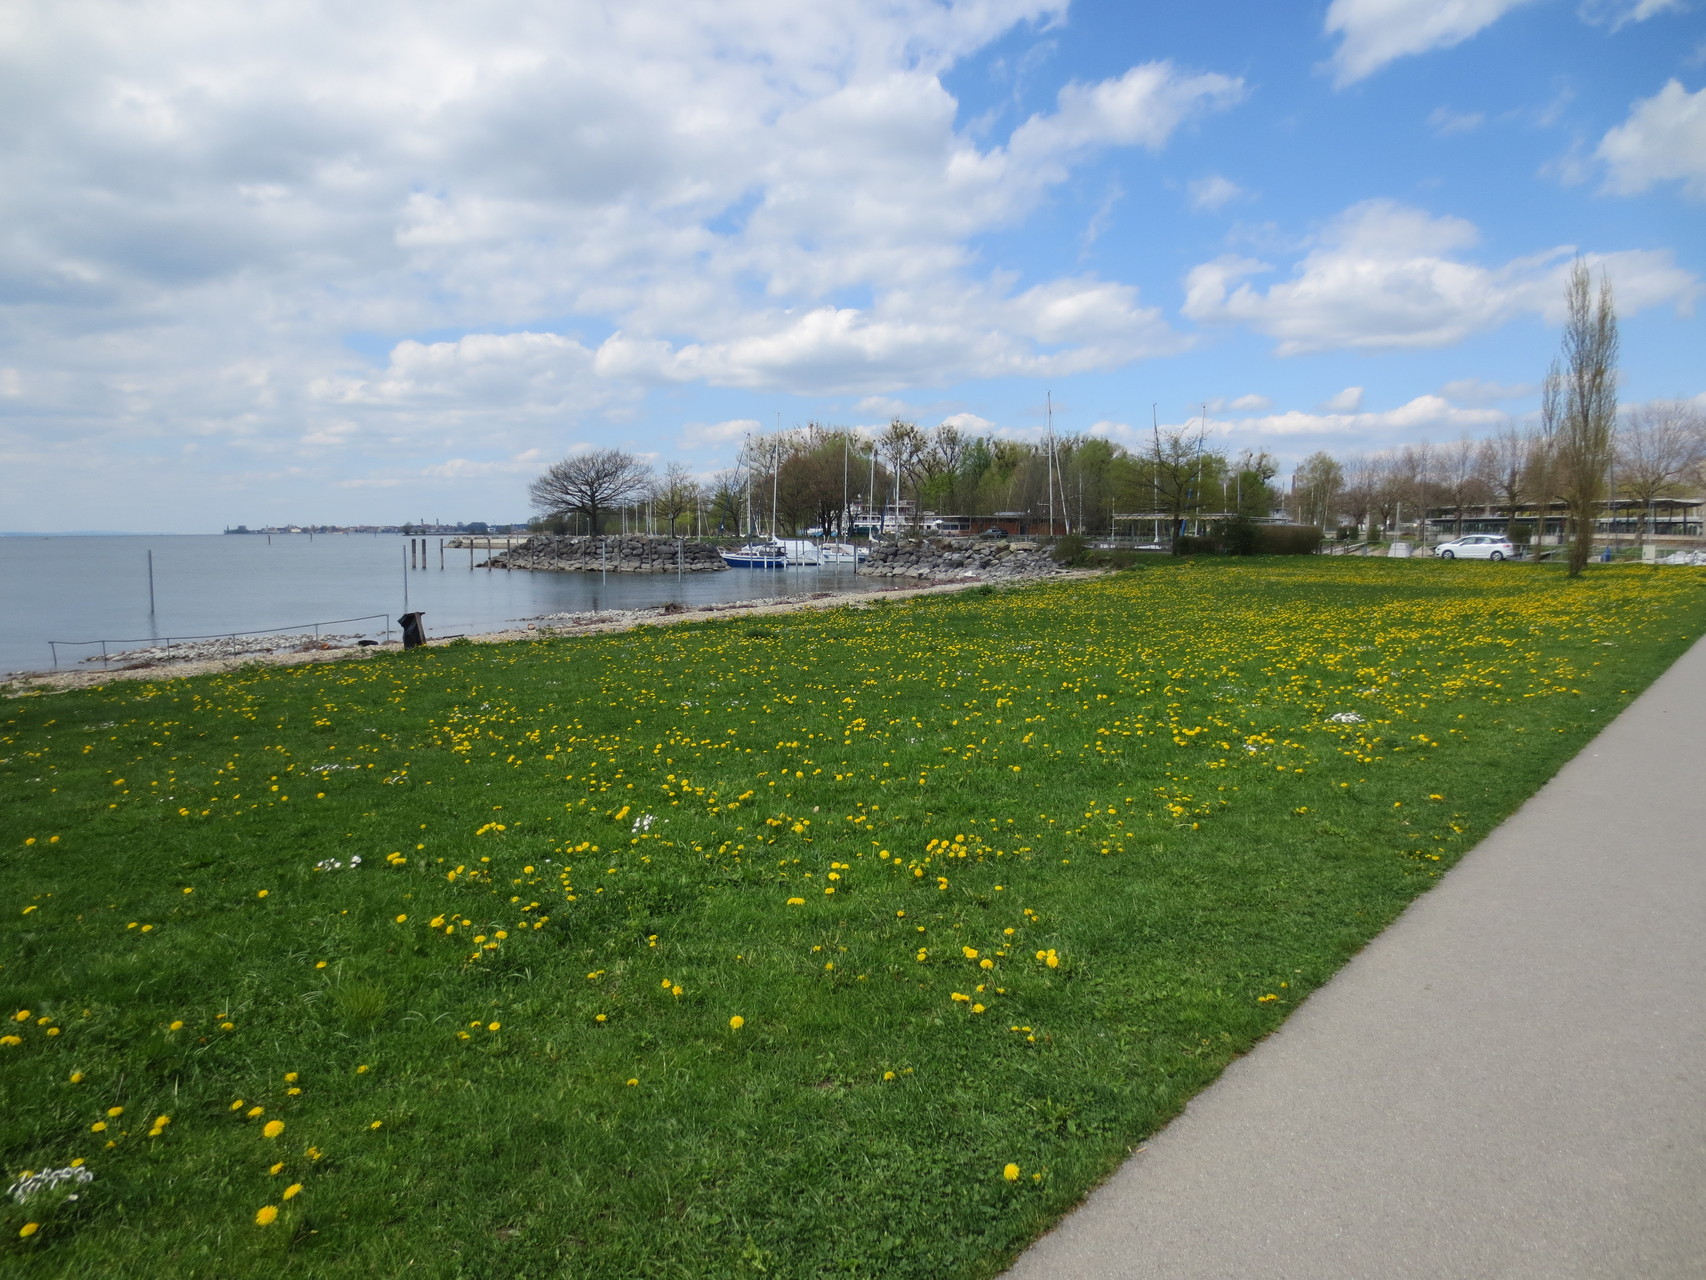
x=859, y=942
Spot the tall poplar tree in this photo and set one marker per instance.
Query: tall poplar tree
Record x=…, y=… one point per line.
x=1579, y=406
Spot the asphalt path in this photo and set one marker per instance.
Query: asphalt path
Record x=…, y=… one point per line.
x=1509, y=1082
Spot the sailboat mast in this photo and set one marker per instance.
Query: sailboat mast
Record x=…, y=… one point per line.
x=1050, y=471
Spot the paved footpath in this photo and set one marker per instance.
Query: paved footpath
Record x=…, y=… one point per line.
x=1509, y=1082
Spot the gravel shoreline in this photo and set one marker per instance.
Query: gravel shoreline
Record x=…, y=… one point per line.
x=320, y=648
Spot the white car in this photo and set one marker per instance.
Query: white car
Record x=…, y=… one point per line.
x=1477, y=546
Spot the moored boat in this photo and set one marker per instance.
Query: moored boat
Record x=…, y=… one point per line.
x=756, y=556
x=841, y=553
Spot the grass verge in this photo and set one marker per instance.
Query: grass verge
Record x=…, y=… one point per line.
x=860, y=942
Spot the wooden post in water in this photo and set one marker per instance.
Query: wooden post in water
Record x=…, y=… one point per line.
x=151, y=583
x=441, y=555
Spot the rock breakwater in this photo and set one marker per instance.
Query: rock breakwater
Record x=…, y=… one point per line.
x=551, y=553
x=987, y=561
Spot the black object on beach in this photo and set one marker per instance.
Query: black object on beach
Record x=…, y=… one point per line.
x=414, y=630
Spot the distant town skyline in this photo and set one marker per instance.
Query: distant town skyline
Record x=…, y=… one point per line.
x=286, y=263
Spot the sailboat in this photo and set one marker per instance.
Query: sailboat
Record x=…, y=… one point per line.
x=756, y=555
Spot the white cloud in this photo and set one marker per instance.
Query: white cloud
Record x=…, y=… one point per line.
x=1617, y=14
x=1067, y=326
x=1251, y=403
x=1384, y=275
x=528, y=462
x=885, y=407
x=1374, y=32
x=1213, y=192
x=1347, y=401
x=1445, y=122
x=1420, y=417
x=969, y=422
x=1142, y=108
x=699, y=435
x=1480, y=391
x=1664, y=139
x=1300, y=433
x=211, y=207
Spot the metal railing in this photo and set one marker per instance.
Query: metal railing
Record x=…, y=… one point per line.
x=166, y=641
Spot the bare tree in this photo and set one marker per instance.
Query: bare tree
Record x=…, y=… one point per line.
x=1657, y=445
x=1362, y=476
x=676, y=494
x=725, y=498
x=1508, y=465
x=1175, y=467
x=589, y=483
x=1317, y=483
x=1386, y=491
x=1459, y=482
x=1581, y=395
x=1414, y=478
x=903, y=445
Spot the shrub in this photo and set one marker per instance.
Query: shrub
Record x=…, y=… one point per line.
x=1187, y=544
x=1287, y=539
x=1068, y=550
x=1238, y=536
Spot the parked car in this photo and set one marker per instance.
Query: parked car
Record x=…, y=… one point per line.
x=993, y=532
x=1477, y=546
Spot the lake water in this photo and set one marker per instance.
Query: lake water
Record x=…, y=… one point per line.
x=96, y=588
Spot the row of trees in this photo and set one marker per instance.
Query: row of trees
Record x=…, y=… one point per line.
x=821, y=477
x=1576, y=454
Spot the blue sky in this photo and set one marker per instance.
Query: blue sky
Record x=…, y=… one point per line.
x=287, y=261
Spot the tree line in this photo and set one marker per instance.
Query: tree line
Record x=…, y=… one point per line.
x=1578, y=451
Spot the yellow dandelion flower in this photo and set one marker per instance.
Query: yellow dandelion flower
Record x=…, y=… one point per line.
x=175, y=1025
x=737, y=1022
x=255, y=1111
x=361, y=1070
x=633, y=1081
x=1011, y=1173
x=375, y=1124
x=401, y=918
x=293, y=1189
x=273, y=1128
x=76, y=1077
x=493, y=1026
x=98, y=1127
x=29, y=1229
x=290, y=1077
x=267, y=1215
x=276, y=1169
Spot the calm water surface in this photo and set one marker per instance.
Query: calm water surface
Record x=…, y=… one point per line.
x=96, y=588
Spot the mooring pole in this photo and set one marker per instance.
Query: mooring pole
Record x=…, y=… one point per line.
x=406, y=583
x=150, y=583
